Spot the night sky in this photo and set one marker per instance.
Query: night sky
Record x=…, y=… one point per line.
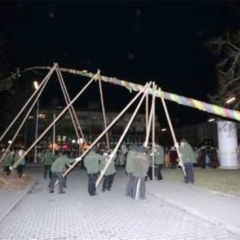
x=135, y=41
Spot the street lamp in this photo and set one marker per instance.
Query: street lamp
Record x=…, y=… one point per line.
x=36, y=86
x=211, y=120
x=163, y=130
x=230, y=100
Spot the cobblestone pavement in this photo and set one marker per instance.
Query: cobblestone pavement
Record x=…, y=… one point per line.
x=110, y=215
x=219, y=180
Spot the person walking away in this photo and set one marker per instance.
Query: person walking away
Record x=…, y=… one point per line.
x=47, y=161
x=129, y=170
x=109, y=173
x=188, y=159
x=8, y=161
x=21, y=164
x=91, y=163
x=57, y=169
x=159, y=159
x=214, y=158
x=40, y=157
x=150, y=167
x=202, y=156
x=69, y=155
x=140, y=168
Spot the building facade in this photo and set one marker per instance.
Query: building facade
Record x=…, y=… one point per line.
x=198, y=133
x=92, y=125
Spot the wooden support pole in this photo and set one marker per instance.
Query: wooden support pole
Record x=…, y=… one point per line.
x=29, y=100
x=153, y=131
x=57, y=118
x=114, y=153
x=26, y=116
x=67, y=100
x=103, y=133
x=172, y=132
x=103, y=110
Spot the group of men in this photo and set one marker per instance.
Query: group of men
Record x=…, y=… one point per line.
x=94, y=162
x=10, y=157
x=141, y=163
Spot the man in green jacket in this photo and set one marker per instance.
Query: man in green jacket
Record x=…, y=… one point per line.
x=109, y=173
x=140, y=168
x=129, y=170
x=47, y=161
x=8, y=161
x=58, y=167
x=188, y=159
x=158, y=153
x=21, y=164
x=91, y=163
x=159, y=159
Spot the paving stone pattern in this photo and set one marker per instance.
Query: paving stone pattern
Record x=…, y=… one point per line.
x=110, y=215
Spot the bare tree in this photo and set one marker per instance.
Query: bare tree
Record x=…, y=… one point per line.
x=227, y=51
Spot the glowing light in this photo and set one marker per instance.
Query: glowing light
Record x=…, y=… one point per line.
x=36, y=86
x=211, y=120
x=230, y=100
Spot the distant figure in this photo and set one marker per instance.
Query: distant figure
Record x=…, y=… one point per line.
x=8, y=161
x=48, y=159
x=122, y=155
x=39, y=157
x=173, y=157
x=159, y=159
x=188, y=158
x=202, y=157
x=214, y=163
x=21, y=164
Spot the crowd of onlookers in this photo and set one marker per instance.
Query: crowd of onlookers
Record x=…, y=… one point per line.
x=206, y=156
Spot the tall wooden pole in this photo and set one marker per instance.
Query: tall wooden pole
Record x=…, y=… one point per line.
x=104, y=113
x=172, y=132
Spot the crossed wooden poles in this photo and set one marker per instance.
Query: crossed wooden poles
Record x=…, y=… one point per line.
x=150, y=120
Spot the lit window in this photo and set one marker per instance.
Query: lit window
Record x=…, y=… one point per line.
x=139, y=119
x=41, y=116
x=83, y=117
x=59, y=138
x=108, y=119
x=67, y=116
x=139, y=129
